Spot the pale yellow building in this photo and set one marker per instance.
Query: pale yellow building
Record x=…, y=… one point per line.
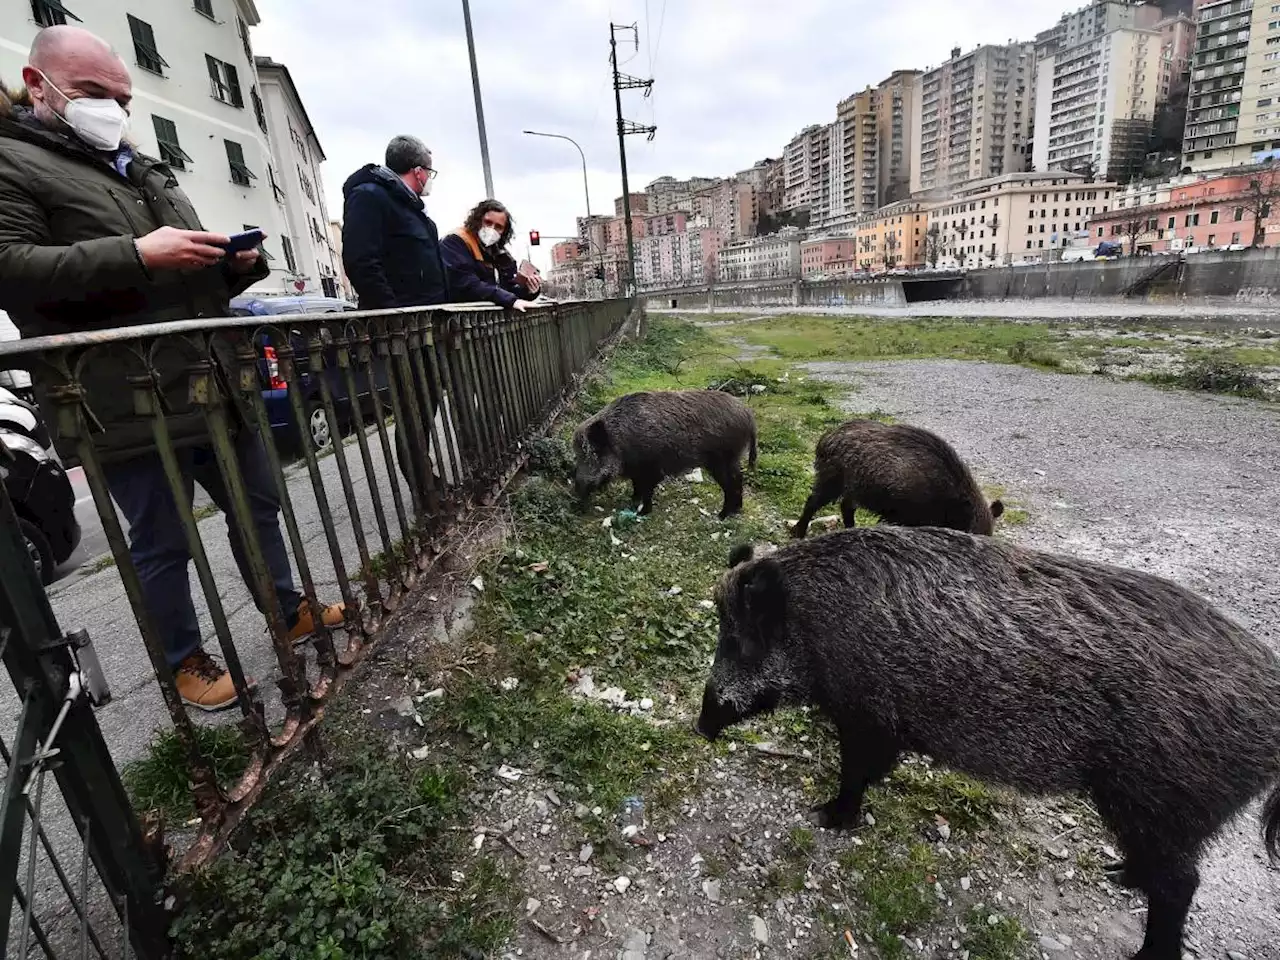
x=1015, y=218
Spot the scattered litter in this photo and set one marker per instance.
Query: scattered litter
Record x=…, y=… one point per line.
x=646, y=703
x=510, y=774
x=966, y=883
x=711, y=888
x=420, y=753
x=607, y=522
x=532, y=906
x=613, y=697
x=675, y=591
x=433, y=598
x=585, y=853
x=478, y=584
x=621, y=884
x=707, y=604
x=694, y=475
x=1039, y=473
x=853, y=944
x=404, y=707
x=509, y=683
x=436, y=694
x=614, y=541
x=944, y=828
x=758, y=388
x=477, y=842
x=539, y=567
x=629, y=831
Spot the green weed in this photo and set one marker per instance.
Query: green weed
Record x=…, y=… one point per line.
x=1005, y=939
x=158, y=780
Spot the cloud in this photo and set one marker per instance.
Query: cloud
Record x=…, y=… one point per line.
x=734, y=81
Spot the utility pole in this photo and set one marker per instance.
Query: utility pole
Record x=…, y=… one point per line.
x=625, y=127
x=475, y=87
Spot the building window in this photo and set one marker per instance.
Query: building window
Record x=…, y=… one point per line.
x=1238, y=215
x=258, y=110
x=290, y=261
x=1213, y=217
x=243, y=30
x=1172, y=222
x=1211, y=239
x=167, y=137
x=275, y=185
x=144, y=46
x=205, y=7
x=1100, y=231
x=240, y=174
x=224, y=82
x=1235, y=238
x=51, y=13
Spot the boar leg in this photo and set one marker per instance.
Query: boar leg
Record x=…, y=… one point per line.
x=848, y=511
x=729, y=476
x=866, y=758
x=1170, y=886
x=642, y=487
x=825, y=489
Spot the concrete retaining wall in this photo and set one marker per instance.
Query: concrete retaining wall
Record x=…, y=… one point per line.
x=1251, y=275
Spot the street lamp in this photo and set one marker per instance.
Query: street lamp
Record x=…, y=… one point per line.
x=586, y=189
x=475, y=87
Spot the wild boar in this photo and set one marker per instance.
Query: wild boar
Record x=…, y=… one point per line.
x=1045, y=673
x=646, y=437
x=907, y=475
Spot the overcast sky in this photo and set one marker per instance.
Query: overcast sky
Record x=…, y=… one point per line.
x=735, y=80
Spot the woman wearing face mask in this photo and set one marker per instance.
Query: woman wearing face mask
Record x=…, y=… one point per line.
x=480, y=268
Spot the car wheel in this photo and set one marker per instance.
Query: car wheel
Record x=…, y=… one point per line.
x=318, y=427
x=39, y=550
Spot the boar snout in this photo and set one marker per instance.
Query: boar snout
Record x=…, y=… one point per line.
x=714, y=716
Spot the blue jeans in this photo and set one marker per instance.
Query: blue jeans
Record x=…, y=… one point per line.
x=158, y=545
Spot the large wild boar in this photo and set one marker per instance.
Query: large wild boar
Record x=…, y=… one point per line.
x=907, y=475
x=646, y=437
x=1042, y=672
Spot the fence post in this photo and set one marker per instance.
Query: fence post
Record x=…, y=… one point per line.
x=57, y=675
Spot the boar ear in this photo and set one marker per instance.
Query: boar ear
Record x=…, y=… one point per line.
x=740, y=554
x=598, y=435
x=997, y=509
x=764, y=601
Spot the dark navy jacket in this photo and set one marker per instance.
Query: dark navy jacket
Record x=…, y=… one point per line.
x=390, y=247
x=491, y=280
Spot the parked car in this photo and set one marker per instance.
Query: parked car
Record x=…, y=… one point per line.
x=275, y=391
x=43, y=499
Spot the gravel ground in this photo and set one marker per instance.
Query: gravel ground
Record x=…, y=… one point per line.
x=1178, y=484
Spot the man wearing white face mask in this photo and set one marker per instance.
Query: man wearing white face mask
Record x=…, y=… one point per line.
x=94, y=235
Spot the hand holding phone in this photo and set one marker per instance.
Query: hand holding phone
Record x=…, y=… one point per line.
x=240, y=242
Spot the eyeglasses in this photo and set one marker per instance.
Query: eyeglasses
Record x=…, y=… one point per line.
x=431, y=173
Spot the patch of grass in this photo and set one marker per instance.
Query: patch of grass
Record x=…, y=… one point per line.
x=158, y=781
x=1032, y=354
x=360, y=861
x=206, y=511
x=1217, y=374
x=104, y=562
x=1003, y=940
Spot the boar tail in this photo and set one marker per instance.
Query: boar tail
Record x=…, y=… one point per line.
x=1271, y=824
x=751, y=450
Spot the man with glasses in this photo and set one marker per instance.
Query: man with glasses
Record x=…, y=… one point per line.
x=391, y=250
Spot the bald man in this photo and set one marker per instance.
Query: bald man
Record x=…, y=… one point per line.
x=94, y=235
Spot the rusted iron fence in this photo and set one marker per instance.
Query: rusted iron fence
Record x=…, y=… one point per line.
x=437, y=407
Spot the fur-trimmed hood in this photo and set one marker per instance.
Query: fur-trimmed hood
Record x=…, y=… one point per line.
x=11, y=99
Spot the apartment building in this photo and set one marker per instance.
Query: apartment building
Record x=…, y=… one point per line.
x=335, y=238
x=677, y=259
x=593, y=232
x=197, y=103
x=766, y=179
x=667, y=194
x=974, y=115
x=807, y=171
x=639, y=204
x=762, y=258
x=854, y=170
x=896, y=126
x=1020, y=217
x=1096, y=102
x=894, y=237
x=311, y=262
x=827, y=257
x=1233, y=109
x=1237, y=208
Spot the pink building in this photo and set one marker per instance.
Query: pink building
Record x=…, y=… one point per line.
x=661, y=224
x=566, y=251
x=827, y=255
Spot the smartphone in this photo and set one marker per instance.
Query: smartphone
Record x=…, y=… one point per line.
x=249, y=240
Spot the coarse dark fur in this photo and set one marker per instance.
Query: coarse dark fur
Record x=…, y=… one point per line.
x=1042, y=672
x=907, y=475
x=646, y=437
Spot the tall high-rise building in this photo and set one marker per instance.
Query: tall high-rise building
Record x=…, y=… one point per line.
x=1096, y=100
x=855, y=159
x=897, y=129
x=974, y=116
x=807, y=170
x=1233, y=108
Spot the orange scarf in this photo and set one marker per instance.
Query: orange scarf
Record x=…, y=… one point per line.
x=470, y=240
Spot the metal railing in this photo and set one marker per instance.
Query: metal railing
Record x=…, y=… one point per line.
x=440, y=403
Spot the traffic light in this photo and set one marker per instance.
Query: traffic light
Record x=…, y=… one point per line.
x=534, y=239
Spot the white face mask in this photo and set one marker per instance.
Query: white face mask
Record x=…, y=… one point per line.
x=99, y=123
x=426, y=188
x=489, y=236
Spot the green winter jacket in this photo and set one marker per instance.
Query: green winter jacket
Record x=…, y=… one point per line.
x=68, y=263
